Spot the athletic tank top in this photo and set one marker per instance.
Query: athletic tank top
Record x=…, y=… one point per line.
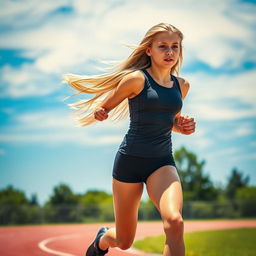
x=152, y=114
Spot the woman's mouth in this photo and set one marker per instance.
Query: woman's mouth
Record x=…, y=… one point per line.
x=168, y=59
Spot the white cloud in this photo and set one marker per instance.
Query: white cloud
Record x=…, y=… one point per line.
x=199, y=139
x=215, y=112
x=244, y=131
x=60, y=137
x=58, y=127
x=26, y=12
x=201, y=142
x=224, y=152
x=60, y=120
x=236, y=130
x=63, y=42
x=221, y=97
x=25, y=81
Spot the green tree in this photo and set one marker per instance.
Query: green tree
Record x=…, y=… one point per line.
x=33, y=200
x=94, y=203
x=235, y=181
x=62, y=194
x=12, y=202
x=246, y=197
x=61, y=207
x=196, y=185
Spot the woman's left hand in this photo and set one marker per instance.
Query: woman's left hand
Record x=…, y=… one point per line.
x=185, y=124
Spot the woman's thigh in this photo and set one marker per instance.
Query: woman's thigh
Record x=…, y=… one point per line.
x=165, y=190
x=126, y=197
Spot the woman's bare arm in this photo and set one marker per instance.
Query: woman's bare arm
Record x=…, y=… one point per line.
x=129, y=85
x=184, y=87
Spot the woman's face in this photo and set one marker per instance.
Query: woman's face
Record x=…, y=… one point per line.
x=165, y=49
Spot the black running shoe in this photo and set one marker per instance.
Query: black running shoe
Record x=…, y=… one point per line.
x=93, y=249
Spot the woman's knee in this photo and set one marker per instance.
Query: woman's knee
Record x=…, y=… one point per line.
x=173, y=222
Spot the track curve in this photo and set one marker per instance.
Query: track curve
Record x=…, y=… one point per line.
x=73, y=239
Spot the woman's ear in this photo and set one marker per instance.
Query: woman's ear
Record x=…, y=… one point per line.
x=148, y=51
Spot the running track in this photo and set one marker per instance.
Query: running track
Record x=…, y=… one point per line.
x=72, y=240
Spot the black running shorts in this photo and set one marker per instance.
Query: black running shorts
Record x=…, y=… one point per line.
x=133, y=169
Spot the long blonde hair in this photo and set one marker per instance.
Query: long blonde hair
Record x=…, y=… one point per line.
x=105, y=84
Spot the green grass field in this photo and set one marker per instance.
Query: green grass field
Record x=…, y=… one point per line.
x=228, y=242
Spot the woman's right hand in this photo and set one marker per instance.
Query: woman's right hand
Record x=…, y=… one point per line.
x=100, y=114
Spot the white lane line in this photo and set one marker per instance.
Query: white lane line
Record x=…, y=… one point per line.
x=43, y=247
x=42, y=244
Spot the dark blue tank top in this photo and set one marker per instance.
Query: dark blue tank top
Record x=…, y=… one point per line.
x=152, y=114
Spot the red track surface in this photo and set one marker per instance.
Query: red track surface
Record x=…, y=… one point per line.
x=72, y=240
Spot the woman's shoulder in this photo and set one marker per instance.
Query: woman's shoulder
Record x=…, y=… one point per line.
x=184, y=85
x=134, y=80
x=134, y=77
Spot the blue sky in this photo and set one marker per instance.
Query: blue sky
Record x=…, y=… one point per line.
x=40, y=146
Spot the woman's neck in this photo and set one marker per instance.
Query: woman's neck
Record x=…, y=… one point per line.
x=162, y=76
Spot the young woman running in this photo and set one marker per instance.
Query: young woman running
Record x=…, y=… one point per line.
x=146, y=85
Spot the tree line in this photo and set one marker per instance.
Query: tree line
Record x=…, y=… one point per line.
x=202, y=199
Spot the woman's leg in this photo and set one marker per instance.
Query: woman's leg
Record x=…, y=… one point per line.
x=165, y=191
x=126, y=197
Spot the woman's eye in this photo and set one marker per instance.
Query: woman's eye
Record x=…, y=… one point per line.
x=164, y=46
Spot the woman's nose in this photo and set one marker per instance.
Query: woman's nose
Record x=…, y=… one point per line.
x=169, y=50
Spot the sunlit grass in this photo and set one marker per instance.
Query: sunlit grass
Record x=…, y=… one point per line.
x=228, y=242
